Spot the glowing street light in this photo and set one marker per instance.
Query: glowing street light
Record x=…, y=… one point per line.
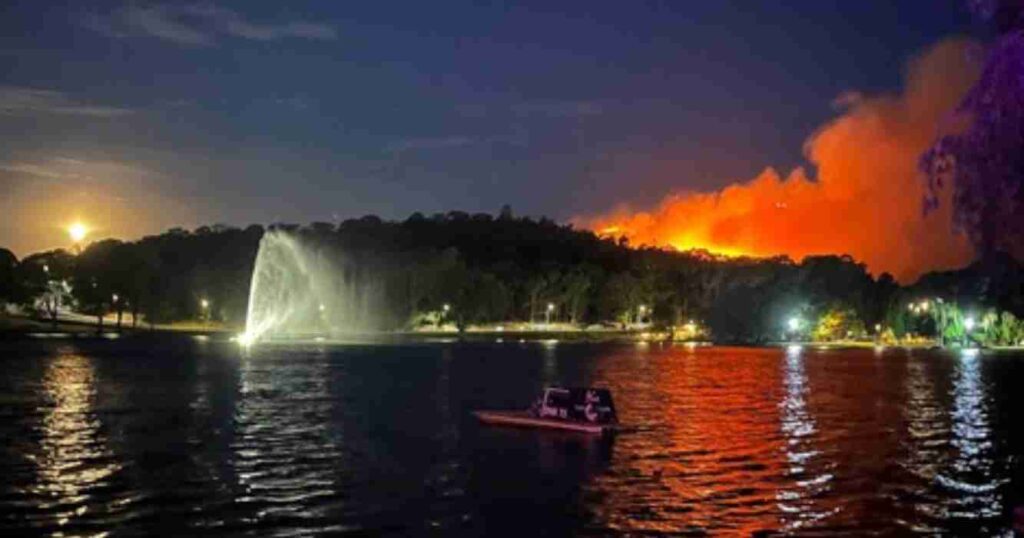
x=793, y=323
x=547, y=313
x=969, y=323
x=114, y=298
x=204, y=304
x=322, y=307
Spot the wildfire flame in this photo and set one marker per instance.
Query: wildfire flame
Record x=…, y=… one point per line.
x=865, y=199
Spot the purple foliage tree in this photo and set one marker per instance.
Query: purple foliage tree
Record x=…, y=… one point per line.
x=984, y=163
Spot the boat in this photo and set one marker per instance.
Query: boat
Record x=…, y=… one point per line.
x=583, y=409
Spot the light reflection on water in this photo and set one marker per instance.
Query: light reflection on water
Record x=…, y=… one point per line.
x=201, y=437
x=283, y=444
x=72, y=460
x=972, y=474
x=807, y=481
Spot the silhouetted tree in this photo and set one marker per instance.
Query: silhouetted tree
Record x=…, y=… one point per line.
x=984, y=163
x=8, y=278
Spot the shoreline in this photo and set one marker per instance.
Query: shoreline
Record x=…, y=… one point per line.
x=15, y=326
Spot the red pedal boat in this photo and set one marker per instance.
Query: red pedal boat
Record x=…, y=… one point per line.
x=586, y=410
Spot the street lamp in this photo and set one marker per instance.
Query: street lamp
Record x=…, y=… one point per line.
x=793, y=323
x=205, y=305
x=547, y=313
x=969, y=324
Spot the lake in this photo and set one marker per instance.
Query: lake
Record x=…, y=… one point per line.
x=190, y=436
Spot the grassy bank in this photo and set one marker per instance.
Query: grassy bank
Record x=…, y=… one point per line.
x=23, y=325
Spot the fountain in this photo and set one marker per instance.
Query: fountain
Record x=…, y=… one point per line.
x=302, y=288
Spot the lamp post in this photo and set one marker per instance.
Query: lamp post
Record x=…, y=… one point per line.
x=547, y=313
x=445, y=308
x=204, y=305
x=968, y=327
x=115, y=302
x=793, y=324
x=641, y=310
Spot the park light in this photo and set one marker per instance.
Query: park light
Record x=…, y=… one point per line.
x=551, y=307
x=46, y=268
x=446, y=307
x=204, y=303
x=793, y=323
x=114, y=298
x=969, y=323
x=878, y=327
x=77, y=231
x=924, y=306
x=322, y=307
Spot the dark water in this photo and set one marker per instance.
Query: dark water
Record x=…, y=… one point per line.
x=178, y=436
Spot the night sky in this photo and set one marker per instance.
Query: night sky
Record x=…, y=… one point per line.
x=135, y=116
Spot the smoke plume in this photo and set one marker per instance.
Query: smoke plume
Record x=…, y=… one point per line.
x=865, y=199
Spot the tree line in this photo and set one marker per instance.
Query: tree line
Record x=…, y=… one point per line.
x=479, y=268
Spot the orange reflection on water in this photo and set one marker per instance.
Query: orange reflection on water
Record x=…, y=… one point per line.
x=710, y=452
x=72, y=458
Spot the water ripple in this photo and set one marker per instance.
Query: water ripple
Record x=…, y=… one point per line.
x=300, y=440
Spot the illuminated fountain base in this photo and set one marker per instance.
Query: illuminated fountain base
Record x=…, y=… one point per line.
x=306, y=290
